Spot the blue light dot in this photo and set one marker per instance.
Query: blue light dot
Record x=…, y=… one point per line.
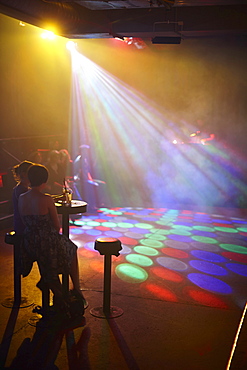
x=210, y=283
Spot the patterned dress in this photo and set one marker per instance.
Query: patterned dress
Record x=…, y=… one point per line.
x=42, y=243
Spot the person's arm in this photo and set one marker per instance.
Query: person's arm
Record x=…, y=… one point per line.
x=53, y=213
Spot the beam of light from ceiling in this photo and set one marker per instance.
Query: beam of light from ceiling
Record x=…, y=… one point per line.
x=131, y=147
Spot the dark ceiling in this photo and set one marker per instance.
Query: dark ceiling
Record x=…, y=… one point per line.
x=133, y=18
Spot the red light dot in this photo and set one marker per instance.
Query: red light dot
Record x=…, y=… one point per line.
x=205, y=298
x=172, y=252
x=167, y=274
x=161, y=293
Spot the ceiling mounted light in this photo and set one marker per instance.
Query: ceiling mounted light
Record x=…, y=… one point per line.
x=48, y=35
x=166, y=40
x=71, y=45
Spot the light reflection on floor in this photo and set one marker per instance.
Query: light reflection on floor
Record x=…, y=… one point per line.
x=174, y=255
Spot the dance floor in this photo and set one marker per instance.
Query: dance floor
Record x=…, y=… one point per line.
x=172, y=255
x=180, y=280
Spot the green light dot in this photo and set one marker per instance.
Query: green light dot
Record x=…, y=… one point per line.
x=182, y=227
x=79, y=223
x=243, y=229
x=110, y=211
x=226, y=229
x=204, y=239
x=144, y=226
x=131, y=273
x=234, y=248
x=109, y=224
x=203, y=228
x=164, y=223
x=146, y=250
x=137, y=259
x=125, y=225
x=152, y=243
x=92, y=223
x=156, y=236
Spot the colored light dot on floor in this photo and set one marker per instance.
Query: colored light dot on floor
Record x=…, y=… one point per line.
x=205, y=298
x=79, y=222
x=177, y=244
x=161, y=292
x=180, y=232
x=113, y=234
x=234, y=248
x=133, y=235
x=125, y=225
x=152, y=243
x=226, y=229
x=156, y=236
x=237, y=268
x=203, y=228
x=164, y=222
x=204, y=239
x=167, y=274
x=176, y=253
x=188, y=228
x=144, y=226
x=208, y=256
x=242, y=229
x=237, y=257
x=93, y=223
x=140, y=260
x=94, y=232
x=208, y=267
x=125, y=249
x=146, y=250
x=172, y=263
x=109, y=224
x=210, y=283
x=131, y=273
x=206, y=246
x=76, y=231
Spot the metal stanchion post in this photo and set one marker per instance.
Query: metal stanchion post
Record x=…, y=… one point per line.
x=107, y=247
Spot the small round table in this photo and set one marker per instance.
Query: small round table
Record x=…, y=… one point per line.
x=76, y=206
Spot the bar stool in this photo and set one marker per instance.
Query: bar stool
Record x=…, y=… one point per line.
x=17, y=301
x=107, y=247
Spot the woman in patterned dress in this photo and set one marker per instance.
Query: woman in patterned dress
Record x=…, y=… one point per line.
x=54, y=253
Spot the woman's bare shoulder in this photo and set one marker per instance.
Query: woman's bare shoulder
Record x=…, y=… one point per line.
x=48, y=198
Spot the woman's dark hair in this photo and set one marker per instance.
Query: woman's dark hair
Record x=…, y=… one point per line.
x=21, y=168
x=37, y=175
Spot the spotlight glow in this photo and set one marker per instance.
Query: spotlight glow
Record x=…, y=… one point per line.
x=48, y=35
x=71, y=45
